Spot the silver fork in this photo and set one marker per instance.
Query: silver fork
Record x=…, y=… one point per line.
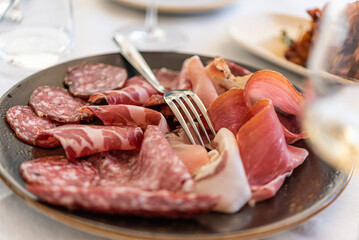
x=181, y=97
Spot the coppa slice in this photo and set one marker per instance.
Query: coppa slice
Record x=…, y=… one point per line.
x=124, y=115
x=83, y=140
x=86, y=79
x=136, y=91
x=57, y=104
x=26, y=124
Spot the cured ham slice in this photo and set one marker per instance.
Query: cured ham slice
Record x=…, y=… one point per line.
x=263, y=148
x=125, y=200
x=192, y=156
x=57, y=104
x=201, y=84
x=86, y=79
x=83, y=140
x=128, y=115
x=263, y=192
x=228, y=110
x=222, y=78
x=274, y=86
x=27, y=124
x=136, y=91
x=224, y=175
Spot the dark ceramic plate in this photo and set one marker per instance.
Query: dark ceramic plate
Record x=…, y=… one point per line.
x=312, y=187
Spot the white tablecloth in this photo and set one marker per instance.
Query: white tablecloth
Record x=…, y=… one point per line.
x=207, y=34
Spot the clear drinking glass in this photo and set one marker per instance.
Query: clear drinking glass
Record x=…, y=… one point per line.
x=150, y=36
x=331, y=116
x=34, y=34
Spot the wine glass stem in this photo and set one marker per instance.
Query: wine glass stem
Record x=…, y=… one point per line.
x=151, y=21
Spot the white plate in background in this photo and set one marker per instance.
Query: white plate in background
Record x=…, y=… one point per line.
x=181, y=6
x=261, y=34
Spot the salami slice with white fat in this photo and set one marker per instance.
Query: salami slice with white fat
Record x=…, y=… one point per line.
x=59, y=171
x=127, y=200
x=57, y=104
x=26, y=124
x=86, y=79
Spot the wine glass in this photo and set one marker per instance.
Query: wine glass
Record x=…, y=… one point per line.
x=331, y=116
x=150, y=36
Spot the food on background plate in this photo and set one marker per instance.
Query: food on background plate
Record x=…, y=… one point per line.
x=298, y=49
x=139, y=161
x=346, y=59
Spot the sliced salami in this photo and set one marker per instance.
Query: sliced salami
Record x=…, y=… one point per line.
x=57, y=104
x=86, y=79
x=26, y=124
x=59, y=171
x=83, y=140
x=126, y=200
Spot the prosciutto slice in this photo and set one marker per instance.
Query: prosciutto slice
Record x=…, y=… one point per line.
x=192, y=156
x=136, y=91
x=83, y=140
x=263, y=148
x=274, y=86
x=125, y=115
x=201, y=84
x=224, y=175
x=228, y=110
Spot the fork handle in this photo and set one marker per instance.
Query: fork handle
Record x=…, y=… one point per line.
x=134, y=57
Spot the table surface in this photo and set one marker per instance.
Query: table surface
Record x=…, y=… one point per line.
x=95, y=21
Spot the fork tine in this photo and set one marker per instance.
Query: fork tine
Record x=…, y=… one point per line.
x=189, y=117
x=194, y=111
x=203, y=110
x=180, y=118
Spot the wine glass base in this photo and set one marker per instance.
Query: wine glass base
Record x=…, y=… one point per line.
x=159, y=39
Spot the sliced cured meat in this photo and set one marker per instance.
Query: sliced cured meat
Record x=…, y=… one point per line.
x=59, y=171
x=154, y=182
x=83, y=140
x=57, y=104
x=222, y=78
x=268, y=190
x=263, y=148
x=164, y=167
x=201, y=84
x=27, y=124
x=171, y=81
x=237, y=70
x=274, y=86
x=136, y=91
x=86, y=79
x=125, y=200
x=228, y=110
x=224, y=176
x=192, y=156
x=128, y=115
